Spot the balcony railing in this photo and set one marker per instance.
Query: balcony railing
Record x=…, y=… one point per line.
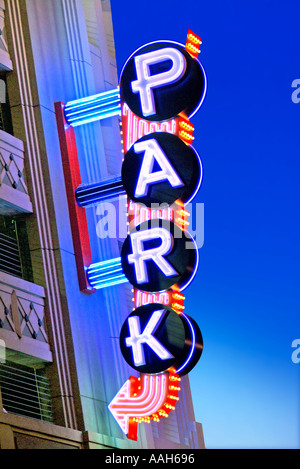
x=10, y=260
x=25, y=391
x=15, y=256
x=14, y=196
x=22, y=321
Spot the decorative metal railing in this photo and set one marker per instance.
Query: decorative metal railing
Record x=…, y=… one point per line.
x=25, y=391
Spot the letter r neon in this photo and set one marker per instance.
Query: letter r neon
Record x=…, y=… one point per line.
x=146, y=82
x=140, y=256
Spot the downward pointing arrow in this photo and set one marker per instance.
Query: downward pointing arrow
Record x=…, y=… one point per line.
x=127, y=404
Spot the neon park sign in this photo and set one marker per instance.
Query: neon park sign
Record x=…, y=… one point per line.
x=162, y=85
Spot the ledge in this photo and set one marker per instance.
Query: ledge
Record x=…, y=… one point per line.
x=22, y=285
x=39, y=429
x=22, y=326
x=14, y=196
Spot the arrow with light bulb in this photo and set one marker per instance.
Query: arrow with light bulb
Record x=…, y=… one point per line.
x=143, y=399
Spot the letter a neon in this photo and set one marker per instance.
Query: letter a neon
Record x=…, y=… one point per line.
x=153, y=152
x=146, y=82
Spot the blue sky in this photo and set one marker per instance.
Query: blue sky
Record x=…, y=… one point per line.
x=245, y=297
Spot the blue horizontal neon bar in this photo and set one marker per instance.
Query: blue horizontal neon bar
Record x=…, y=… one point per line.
x=94, y=108
x=91, y=194
x=106, y=274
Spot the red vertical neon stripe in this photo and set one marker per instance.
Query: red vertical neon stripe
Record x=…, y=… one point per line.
x=78, y=220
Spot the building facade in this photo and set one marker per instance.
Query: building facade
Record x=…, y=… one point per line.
x=61, y=364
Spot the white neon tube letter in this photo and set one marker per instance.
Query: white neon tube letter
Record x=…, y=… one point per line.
x=146, y=82
x=138, y=338
x=139, y=256
x=153, y=152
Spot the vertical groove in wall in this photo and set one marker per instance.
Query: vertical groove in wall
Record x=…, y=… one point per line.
x=81, y=83
x=95, y=161
x=75, y=49
x=42, y=213
x=91, y=136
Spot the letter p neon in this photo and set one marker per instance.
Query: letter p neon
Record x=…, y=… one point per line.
x=146, y=81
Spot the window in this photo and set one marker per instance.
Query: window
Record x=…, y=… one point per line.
x=5, y=115
x=14, y=248
x=25, y=391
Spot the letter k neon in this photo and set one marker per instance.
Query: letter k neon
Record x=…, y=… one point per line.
x=137, y=339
